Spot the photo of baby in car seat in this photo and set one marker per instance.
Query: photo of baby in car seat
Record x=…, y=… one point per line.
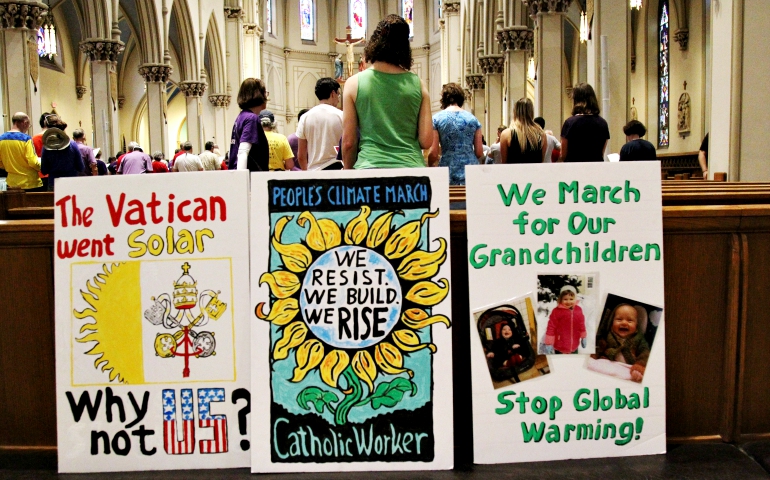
x=508, y=337
x=624, y=338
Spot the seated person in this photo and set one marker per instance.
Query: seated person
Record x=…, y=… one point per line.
x=625, y=342
x=505, y=351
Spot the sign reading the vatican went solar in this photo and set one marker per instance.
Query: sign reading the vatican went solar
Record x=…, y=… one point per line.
x=350, y=287
x=565, y=272
x=152, y=322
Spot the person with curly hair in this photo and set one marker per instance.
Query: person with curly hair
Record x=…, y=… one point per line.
x=456, y=135
x=387, y=104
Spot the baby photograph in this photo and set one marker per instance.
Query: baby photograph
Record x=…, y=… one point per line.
x=567, y=313
x=624, y=338
x=508, y=336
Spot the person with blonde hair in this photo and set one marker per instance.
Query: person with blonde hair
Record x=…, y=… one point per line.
x=524, y=141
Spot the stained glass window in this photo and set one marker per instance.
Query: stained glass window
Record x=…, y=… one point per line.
x=46, y=39
x=269, y=15
x=307, y=20
x=407, y=11
x=663, y=76
x=358, y=18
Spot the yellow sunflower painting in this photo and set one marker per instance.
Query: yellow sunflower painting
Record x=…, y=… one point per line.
x=351, y=300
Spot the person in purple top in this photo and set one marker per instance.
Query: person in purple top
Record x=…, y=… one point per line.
x=248, y=144
x=293, y=138
x=89, y=159
x=136, y=162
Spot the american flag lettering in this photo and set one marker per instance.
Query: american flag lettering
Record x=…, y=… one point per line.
x=173, y=446
x=206, y=420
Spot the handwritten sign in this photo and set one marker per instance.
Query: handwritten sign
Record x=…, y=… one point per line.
x=350, y=288
x=586, y=239
x=152, y=322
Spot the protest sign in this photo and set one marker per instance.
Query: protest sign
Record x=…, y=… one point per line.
x=152, y=315
x=579, y=247
x=352, y=346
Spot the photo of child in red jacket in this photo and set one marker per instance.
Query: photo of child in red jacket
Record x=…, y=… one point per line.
x=566, y=325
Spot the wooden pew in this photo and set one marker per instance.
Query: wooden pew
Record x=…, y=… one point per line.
x=20, y=205
x=716, y=260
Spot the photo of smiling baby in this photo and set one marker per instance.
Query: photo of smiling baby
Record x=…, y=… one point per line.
x=624, y=338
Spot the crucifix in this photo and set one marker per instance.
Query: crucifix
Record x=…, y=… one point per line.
x=348, y=41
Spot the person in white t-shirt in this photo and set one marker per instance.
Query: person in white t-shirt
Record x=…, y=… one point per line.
x=187, y=162
x=320, y=129
x=553, y=142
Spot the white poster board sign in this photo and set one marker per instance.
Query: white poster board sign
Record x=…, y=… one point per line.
x=152, y=312
x=566, y=294
x=352, y=351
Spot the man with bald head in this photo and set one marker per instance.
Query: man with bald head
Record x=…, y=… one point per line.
x=17, y=156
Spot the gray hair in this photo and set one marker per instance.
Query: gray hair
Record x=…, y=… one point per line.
x=131, y=146
x=157, y=155
x=266, y=123
x=187, y=146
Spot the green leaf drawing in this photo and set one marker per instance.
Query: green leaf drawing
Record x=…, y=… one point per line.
x=318, y=398
x=389, y=394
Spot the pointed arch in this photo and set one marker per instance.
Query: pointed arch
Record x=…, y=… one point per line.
x=213, y=52
x=96, y=18
x=148, y=31
x=182, y=29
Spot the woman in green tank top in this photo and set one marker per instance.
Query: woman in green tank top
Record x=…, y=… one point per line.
x=386, y=105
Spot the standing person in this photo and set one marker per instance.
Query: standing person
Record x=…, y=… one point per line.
x=248, y=145
x=281, y=157
x=703, y=156
x=129, y=149
x=89, y=159
x=101, y=167
x=456, y=135
x=553, y=142
x=636, y=148
x=293, y=138
x=524, y=141
x=37, y=142
x=389, y=137
x=320, y=129
x=61, y=156
x=17, y=156
x=209, y=159
x=158, y=163
x=187, y=162
x=585, y=134
x=37, y=139
x=494, y=155
x=136, y=162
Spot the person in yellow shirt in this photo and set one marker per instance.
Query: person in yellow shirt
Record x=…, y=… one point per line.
x=281, y=156
x=17, y=156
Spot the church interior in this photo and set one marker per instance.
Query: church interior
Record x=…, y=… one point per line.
x=162, y=72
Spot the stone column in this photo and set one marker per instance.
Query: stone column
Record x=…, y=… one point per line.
x=156, y=75
x=252, y=51
x=725, y=95
x=475, y=84
x=19, y=22
x=549, y=15
x=221, y=102
x=492, y=67
x=233, y=58
x=103, y=55
x=611, y=21
x=517, y=43
x=451, y=55
x=193, y=91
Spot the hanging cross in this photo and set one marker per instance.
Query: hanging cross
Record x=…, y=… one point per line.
x=685, y=85
x=349, y=41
